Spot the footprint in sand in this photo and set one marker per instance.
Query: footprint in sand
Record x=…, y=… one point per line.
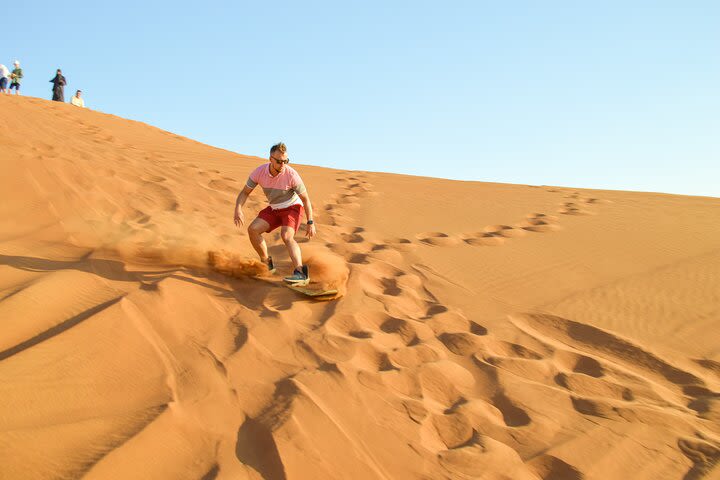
x=461, y=343
x=506, y=231
x=438, y=239
x=385, y=252
x=540, y=223
x=548, y=467
x=359, y=258
x=455, y=331
x=352, y=237
x=453, y=428
x=347, y=199
x=396, y=243
x=409, y=331
x=352, y=234
x=390, y=287
x=572, y=208
x=350, y=325
x=483, y=239
x=487, y=374
x=579, y=363
x=577, y=204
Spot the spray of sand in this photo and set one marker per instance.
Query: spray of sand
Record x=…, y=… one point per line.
x=196, y=248
x=327, y=270
x=234, y=265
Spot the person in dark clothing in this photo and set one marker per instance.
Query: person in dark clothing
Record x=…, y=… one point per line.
x=59, y=83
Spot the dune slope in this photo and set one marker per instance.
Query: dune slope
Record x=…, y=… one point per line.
x=483, y=330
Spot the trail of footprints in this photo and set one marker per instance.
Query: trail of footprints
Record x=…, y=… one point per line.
x=353, y=189
x=465, y=388
x=494, y=235
x=430, y=357
x=577, y=204
x=574, y=203
x=426, y=355
x=470, y=392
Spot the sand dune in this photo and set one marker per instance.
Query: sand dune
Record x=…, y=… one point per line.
x=482, y=330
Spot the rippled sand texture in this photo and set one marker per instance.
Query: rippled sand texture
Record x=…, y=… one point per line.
x=482, y=330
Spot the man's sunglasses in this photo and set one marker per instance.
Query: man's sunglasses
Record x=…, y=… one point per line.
x=281, y=161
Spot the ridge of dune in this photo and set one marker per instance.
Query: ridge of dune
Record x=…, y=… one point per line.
x=483, y=330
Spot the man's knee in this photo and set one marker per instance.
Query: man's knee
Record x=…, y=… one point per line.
x=288, y=236
x=255, y=230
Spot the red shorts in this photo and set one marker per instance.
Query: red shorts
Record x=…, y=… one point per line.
x=287, y=217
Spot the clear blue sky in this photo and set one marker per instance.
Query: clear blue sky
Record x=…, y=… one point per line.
x=606, y=94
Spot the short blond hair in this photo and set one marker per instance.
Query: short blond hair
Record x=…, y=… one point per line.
x=278, y=147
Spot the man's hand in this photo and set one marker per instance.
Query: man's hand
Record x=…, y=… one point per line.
x=239, y=217
x=310, y=231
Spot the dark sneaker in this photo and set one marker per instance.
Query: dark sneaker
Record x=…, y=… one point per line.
x=270, y=265
x=300, y=277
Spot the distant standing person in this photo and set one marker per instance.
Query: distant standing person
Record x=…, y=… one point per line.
x=4, y=74
x=77, y=100
x=59, y=83
x=288, y=197
x=15, y=76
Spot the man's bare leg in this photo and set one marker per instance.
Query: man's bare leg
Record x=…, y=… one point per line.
x=288, y=237
x=255, y=231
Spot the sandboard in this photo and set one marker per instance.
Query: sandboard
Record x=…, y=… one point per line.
x=317, y=293
x=313, y=291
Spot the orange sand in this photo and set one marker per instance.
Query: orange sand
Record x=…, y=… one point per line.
x=484, y=330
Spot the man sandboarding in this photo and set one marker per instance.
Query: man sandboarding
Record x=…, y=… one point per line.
x=288, y=198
